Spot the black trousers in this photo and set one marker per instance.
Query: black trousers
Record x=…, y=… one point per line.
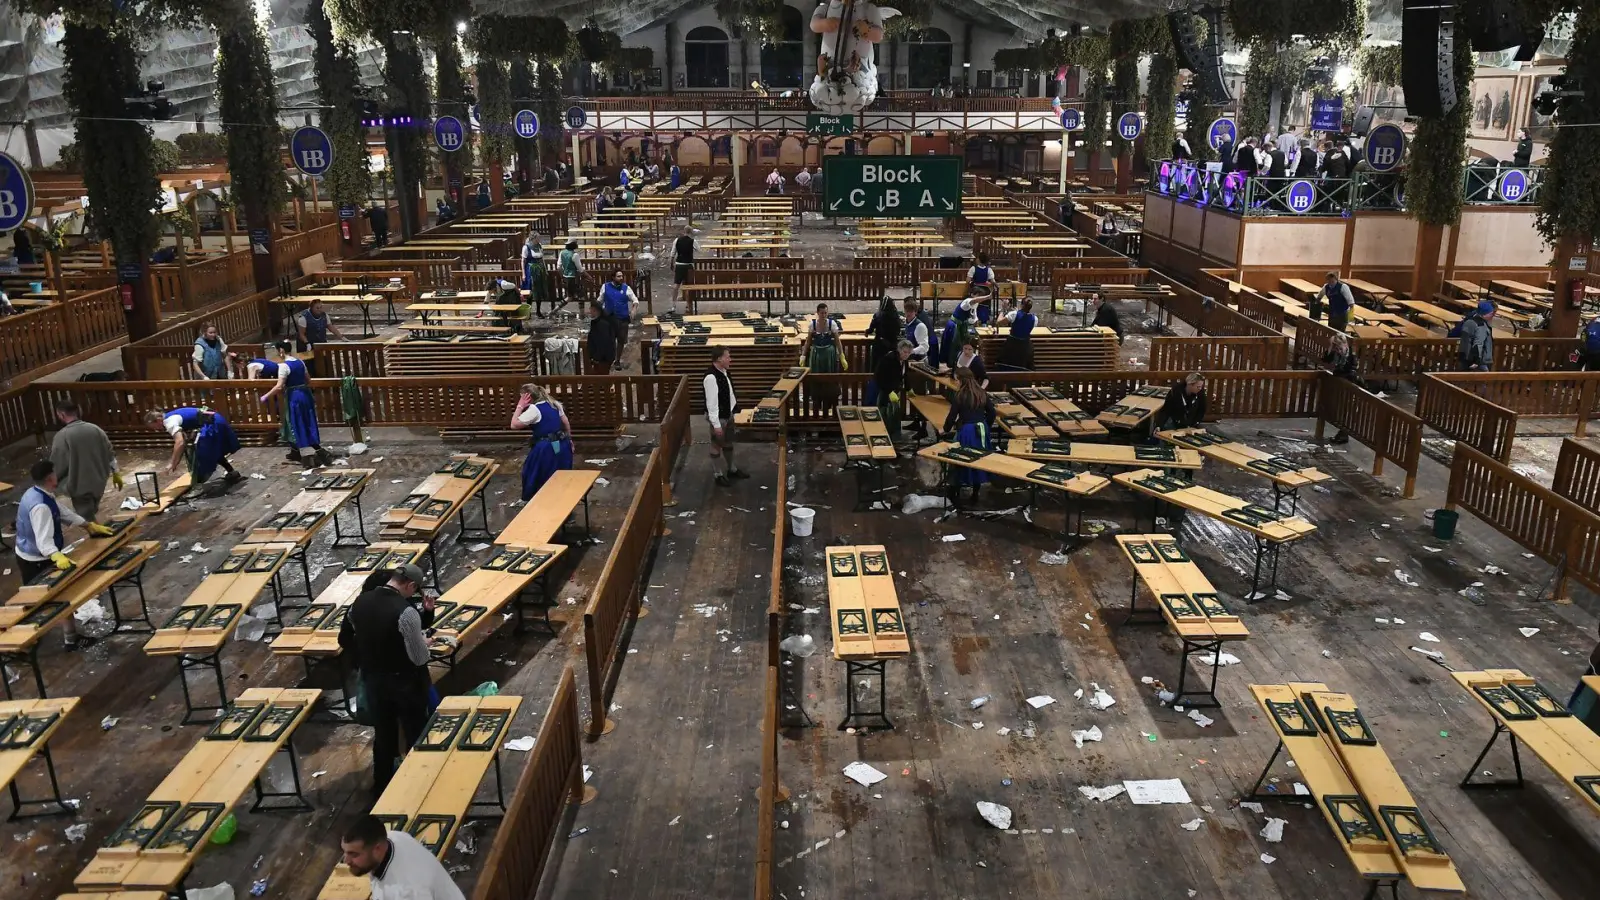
x=396, y=703
x=1338, y=320
x=30, y=570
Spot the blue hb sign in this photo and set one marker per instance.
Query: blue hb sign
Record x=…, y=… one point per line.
x=1386, y=147
x=1071, y=120
x=526, y=124
x=1327, y=114
x=1513, y=185
x=576, y=117
x=347, y=211
x=449, y=134
x=16, y=193
x=1222, y=131
x=1129, y=126
x=1302, y=194
x=311, y=149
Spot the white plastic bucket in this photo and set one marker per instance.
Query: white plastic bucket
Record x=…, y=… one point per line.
x=801, y=520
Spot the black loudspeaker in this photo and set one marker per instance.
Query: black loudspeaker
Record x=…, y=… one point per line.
x=1427, y=56
x=1363, y=121
x=1205, y=63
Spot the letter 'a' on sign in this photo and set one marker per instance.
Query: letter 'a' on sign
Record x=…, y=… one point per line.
x=526, y=124
x=1385, y=148
x=311, y=149
x=16, y=193
x=898, y=186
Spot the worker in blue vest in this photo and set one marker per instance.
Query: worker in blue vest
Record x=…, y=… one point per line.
x=300, y=411
x=206, y=432
x=315, y=325
x=1590, y=350
x=551, y=450
x=620, y=301
x=40, y=542
x=981, y=275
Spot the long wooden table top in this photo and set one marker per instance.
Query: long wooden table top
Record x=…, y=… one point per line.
x=1183, y=594
x=211, y=613
x=1133, y=410
x=863, y=608
x=865, y=435
x=25, y=728
x=1258, y=520
x=1044, y=474
x=1540, y=720
x=474, y=603
x=1375, y=291
x=1245, y=457
x=308, y=512
x=1060, y=412
x=316, y=631
x=21, y=627
x=768, y=411
x=85, y=555
x=156, y=845
x=1090, y=454
x=437, y=498
x=540, y=520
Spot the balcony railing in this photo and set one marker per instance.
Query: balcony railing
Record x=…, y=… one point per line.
x=1501, y=185
x=887, y=101
x=1258, y=196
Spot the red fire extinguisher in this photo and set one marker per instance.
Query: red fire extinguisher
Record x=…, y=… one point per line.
x=1575, y=293
x=126, y=290
x=344, y=229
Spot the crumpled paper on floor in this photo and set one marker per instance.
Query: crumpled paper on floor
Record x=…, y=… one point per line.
x=1273, y=830
x=1101, y=794
x=995, y=814
x=863, y=774
x=1092, y=733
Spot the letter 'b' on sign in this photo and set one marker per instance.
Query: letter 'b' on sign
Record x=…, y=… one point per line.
x=1129, y=126
x=16, y=193
x=526, y=124
x=311, y=149
x=449, y=134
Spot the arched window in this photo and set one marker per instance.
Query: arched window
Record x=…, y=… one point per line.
x=782, y=63
x=930, y=56
x=705, y=57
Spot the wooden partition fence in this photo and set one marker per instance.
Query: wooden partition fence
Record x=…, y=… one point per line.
x=615, y=599
x=1407, y=359
x=808, y=286
x=429, y=273
x=749, y=263
x=292, y=248
x=1261, y=310
x=1559, y=531
x=19, y=416
x=1392, y=433
x=1207, y=316
x=768, y=793
x=1578, y=474
x=1467, y=417
x=40, y=341
x=210, y=280
x=1210, y=353
x=408, y=279
x=1557, y=395
x=550, y=783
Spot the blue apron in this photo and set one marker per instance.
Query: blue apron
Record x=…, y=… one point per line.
x=214, y=439
x=974, y=434
x=302, y=409
x=551, y=451
x=316, y=327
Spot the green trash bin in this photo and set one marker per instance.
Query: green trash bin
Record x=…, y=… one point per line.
x=1444, y=523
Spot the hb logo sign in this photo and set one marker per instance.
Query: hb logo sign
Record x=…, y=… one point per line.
x=312, y=150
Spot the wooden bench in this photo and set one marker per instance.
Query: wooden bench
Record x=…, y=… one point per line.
x=1135, y=410
x=868, y=627
x=678, y=319
x=768, y=412
x=1187, y=601
x=473, y=604
x=158, y=499
x=23, y=626
x=327, y=492
x=1534, y=717
x=1087, y=454
x=865, y=435
x=1299, y=288
x=544, y=518
x=424, y=327
x=443, y=495
x=26, y=727
x=432, y=792
x=314, y=634
x=1349, y=775
x=297, y=303
x=1287, y=476
x=1271, y=529
x=157, y=845
x=85, y=555
x=1017, y=420
x=1063, y=414
x=199, y=630
x=765, y=290
x=1071, y=482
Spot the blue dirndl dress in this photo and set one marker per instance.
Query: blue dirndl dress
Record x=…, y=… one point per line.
x=214, y=439
x=974, y=434
x=300, y=411
x=550, y=452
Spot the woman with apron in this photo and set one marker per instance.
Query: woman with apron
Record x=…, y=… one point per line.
x=293, y=380
x=552, y=443
x=206, y=432
x=971, y=418
x=1018, y=350
x=533, y=271
x=823, y=356
x=958, y=329
x=980, y=283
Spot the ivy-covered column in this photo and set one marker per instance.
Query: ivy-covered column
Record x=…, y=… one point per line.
x=248, y=105
x=527, y=149
x=349, y=179
x=494, y=103
x=1569, y=198
x=512, y=52
x=449, y=101
x=1095, y=110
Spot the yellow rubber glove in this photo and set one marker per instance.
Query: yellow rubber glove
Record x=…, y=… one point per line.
x=116, y=479
x=894, y=397
x=98, y=530
x=61, y=560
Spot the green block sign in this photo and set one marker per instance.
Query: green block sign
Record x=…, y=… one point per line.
x=892, y=186
x=839, y=125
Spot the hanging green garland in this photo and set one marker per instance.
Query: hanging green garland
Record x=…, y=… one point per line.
x=1161, y=107
x=1197, y=131
x=349, y=178
x=515, y=37
x=523, y=94
x=1329, y=22
x=1053, y=53
x=1379, y=65
x=1095, y=109
x=1569, y=200
x=450, y=99
x=1124, y=94
x=248, y=106
x=1437, y=153
x=494, y=100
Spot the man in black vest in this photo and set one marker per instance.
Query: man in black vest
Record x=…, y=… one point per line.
x=721, y=404
x=384, y=632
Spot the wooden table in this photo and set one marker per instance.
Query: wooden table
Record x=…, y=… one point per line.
x=1428, y=312
x=1133, y=411
x=1083, y=453
x=1187, y=601
x=442, y=495
x=868, y=628
x=1535, y=717
x=544, y=518
x=327, y=492
x=1299, y=288
x=1519, y=289
x=1060, y=412
x=26, y=727
x=474, y=604
x=314, y=635
x=768, y=411
x=1377, y=292
x=1287, y=476
x=1071, y=482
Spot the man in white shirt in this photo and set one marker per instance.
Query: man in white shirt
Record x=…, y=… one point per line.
x=1288, y=142
x=721, y=405
x=802, y=179
x=397, y=865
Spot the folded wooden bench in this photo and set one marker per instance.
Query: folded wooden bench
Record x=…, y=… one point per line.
x=315, y=632
x=441, y=496
x=769, y=410
x=868, y=625
x=1132, y=411
x=26, y=727
x=1534, y=717
x=1049, y=404
x=473, y=604
x=156, y=846
x=1188, y=603
x=85, y=555
x=1086, y=454
x=544, y=517
x=1017, y=420
x=1030, y=472
x=432, y=792
x=158, y=499
x=865, y=435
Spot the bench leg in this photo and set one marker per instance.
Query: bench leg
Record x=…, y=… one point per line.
x=463, y=532
x=339, y=537
x=433, y=563
x=1393, y=884
x=865, y=669
x=499, y=796
x=18, y=802
x=1207, y=699
x=1516, y=761
x=1255, y=790
x=1281, y=493
x=1149, y=616
x=263, y=795
x=139, y=624
x=214, y=663
x=19, y=660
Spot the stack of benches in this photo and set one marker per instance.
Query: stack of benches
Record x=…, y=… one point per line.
x=1058, y=349
x=756, y=366
x=768, y=411
x=437, y=498
x=1065, y=415
x=459, y=355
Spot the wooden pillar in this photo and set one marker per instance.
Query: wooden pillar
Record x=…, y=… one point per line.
x=229, y=226
x=497, y=186
x=145, y=316
x=1066, y=158
x=316, y=203
x=735, y=150
x=1564, y=317
x=263, y=249
x=1425, y=267
x=185, y=290
x=1125, y=171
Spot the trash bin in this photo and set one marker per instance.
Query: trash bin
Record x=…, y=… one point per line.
x=801, y=520
x=1444, y=523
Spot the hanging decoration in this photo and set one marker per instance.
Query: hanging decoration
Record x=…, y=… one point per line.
x=847, y=75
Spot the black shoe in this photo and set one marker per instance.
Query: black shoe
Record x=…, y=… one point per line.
x=723, y=480
x=738, y=473
x=293, y=456
x=232, y=477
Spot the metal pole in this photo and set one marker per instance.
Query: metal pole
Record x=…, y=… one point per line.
x=577, y=159
x=735, y=150
x=1066, y=151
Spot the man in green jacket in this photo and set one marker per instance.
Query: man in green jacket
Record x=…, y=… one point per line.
x=83, y=461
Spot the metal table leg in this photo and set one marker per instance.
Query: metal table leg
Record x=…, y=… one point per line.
x=1516, y=762
x=30, y=659
x=869, y=717
x=212, y=661
x=263, y=795
x=18, y=802
x=339, y=537
x=136, y=578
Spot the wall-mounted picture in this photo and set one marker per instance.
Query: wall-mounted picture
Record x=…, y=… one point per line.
x=1491, y=107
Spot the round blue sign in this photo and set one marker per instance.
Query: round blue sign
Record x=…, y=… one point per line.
x=576, y=117
x=311, y=149
x=16, y=193
x=526, y=124
x=1071, y=120
x=1386, y=147
x=449, y=133
x=1222, y=131
x=1129, y=126
x=1302, y=195
x=1513, y=185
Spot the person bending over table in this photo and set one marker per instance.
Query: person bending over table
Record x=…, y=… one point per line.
x=213, y=441
x=40, y=541
x=1017, y=352
x=721, y=406
x=959, y=328
x=971, y=423
x=1341, y=363
x=551, y=433
x=981, y=275
x=971, y=360
x=315, y=326
x=887, y=389
x=293, y=380
x=1185, y=406
x=621, y=302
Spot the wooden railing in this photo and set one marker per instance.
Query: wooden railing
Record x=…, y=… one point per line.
x=1537, y=394
x=1312, y=341
x=1559, y=531
x=408, y=279
x=37, y=341
x=1534, y=354
x=615, y=600
x=1213, y=317
x=1467, y=417
x=1578, y=474
x=1406, y=359
x=20, y=416
x=1196, y=354
x=210, y=280
x=430, y=273
x=767, y=794
x=1392, y=433
x=674, y=433
x=341, y=358
x=291, y=248
x=551, y=781
x=808, y=286
x=750, y=263
x=1261, y=310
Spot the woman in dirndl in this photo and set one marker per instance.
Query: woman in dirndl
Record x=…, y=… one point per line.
x=971, y=418
x=823, y=356
x=293, y=380
x=962, y=324
x=551, y=448
x=1017, y=353
x=533, y=275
